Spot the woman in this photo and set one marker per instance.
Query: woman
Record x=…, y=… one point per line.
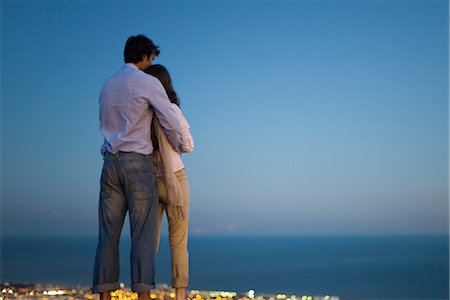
x=178, y=221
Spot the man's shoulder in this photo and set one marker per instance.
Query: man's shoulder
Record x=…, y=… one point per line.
x=132, y=78
x=127, y=73
x=139, y=75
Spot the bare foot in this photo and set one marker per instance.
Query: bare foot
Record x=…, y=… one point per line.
x=105, y=296
x=180, y=294
x=144, y=296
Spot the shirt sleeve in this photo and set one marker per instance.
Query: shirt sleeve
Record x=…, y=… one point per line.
x=166, y=114
x=187, y=140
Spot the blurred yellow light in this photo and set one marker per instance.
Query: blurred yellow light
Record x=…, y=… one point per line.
x=198, y=297
x=172, y=295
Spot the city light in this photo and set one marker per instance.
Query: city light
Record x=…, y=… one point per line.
x=162, y=292
x=54, y=293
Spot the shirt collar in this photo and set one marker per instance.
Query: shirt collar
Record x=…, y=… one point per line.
x=130, y=65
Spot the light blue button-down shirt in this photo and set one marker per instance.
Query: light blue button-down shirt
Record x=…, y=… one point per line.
x=128, y=101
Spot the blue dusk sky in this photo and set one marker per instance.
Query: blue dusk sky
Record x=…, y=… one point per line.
x=309, y=117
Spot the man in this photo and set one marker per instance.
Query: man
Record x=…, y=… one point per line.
x=128, y=101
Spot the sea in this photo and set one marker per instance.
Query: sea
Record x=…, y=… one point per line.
x=350, y=267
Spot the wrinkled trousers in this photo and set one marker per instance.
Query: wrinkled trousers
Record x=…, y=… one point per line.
x=128, y=184
x=178, y=232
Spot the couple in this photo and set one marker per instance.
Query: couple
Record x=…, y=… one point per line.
x=144, y=132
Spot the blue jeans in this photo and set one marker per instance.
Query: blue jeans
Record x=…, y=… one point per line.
x=127, y=184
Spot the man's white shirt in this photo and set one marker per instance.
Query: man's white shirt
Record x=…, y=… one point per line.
x=128, y=101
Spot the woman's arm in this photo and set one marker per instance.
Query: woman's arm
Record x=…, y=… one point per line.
x=187, y=140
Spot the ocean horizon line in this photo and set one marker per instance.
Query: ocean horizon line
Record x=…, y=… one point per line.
x=249, y=235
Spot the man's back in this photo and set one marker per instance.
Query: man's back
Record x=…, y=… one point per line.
x=126, y=111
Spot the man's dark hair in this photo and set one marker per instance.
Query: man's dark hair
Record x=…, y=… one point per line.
x=138, y=46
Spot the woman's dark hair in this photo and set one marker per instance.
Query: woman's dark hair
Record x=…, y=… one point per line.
x=163, y=75
x=138, y=46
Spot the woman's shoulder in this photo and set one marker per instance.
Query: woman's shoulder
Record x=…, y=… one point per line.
x=181, y=117
x=177, y=109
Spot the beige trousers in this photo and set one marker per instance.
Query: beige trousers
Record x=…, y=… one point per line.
x=178, y=233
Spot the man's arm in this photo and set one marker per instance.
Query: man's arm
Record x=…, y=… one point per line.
x=166, y=114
